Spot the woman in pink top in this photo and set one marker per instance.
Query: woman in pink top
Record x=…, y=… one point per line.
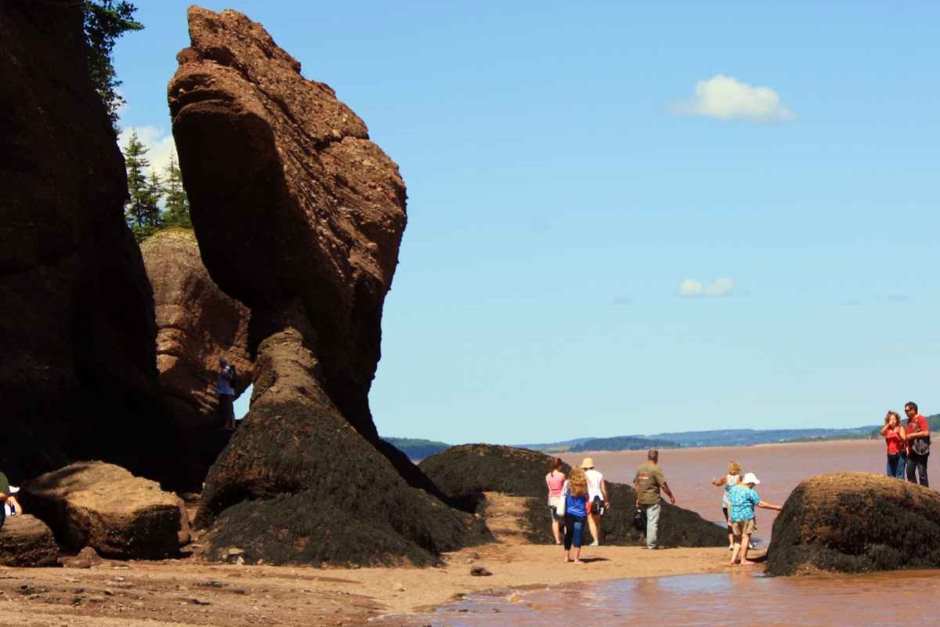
x=555, y=480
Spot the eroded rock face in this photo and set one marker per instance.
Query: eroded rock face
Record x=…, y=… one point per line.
x=77, y=375
x=465, y=472
x=197, y=324
x=109, y=509
x=855, y=522
x=27, y=541
x=300, y=217
x=295, y=209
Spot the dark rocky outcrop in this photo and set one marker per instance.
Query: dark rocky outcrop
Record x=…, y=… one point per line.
x=107, y=508
x=856, y=522
x=299, y=216
x=27, y=541
x=78, y=372
x=197, y=324
x=464, y=472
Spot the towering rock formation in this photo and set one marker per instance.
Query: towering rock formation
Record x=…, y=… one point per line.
x=197, y=325
x=78, y=369
x=300, y=217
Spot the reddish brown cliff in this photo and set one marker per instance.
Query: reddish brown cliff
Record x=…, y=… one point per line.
x=78, y=369
x=197, y=325
x=300, y=217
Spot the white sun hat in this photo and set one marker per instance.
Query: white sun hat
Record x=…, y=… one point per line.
x=750, y=478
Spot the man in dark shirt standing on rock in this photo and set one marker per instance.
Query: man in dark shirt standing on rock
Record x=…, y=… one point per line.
x=918, y=444
x=648, y=482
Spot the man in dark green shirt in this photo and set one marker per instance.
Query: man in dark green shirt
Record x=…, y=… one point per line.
x=648, y=483
x=4, y=492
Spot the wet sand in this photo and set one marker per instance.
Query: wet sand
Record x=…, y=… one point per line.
x=177, y=592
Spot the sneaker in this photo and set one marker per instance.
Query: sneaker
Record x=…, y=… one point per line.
x=595, y=543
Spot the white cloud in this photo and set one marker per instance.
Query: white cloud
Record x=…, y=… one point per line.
x=726, y=98
x=691, y=288
x=159, y=144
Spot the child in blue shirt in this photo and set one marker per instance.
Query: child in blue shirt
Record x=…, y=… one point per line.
x=743, y=498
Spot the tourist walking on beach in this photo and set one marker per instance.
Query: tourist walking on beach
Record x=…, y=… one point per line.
x=576, y=508
x=555, y=480
x=918, y=444
x=895, y=439
x=732, y=478
x=597, y=498
x=226, y=393
x=648, y=483
x=743, y=498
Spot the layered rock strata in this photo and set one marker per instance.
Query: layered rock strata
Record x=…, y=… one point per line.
x=855, y=522
x=109, y=509
x=197, y=325
x=299, y=216
x=78, y=370
x=465, y=472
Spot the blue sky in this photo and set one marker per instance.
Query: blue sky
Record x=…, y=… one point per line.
x=632, y=217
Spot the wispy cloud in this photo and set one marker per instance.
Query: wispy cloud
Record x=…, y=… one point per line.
x=159, y=143
x=726, y=98
x=692, y=288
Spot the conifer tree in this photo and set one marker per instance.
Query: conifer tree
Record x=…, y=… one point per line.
x=105, y=21
x=177, y=203
x=142, y=210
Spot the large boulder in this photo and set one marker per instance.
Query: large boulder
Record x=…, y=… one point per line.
x=27, y=541
x=855, y=522
x=78, y=371
x=465, y=472
x=197, y=324
x=109, y=509
x=300, y=217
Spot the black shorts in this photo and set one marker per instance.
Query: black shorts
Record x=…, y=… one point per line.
x=724, y=510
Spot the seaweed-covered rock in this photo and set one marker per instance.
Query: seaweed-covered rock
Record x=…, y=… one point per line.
x=27, y=541
x=464, y=472
x=197, y=325
x=856, y=522
x=109, y=509
x=78, y=373
x=300, y=217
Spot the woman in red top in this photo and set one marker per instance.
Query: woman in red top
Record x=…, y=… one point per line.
x=555, y=480
x=895, y=439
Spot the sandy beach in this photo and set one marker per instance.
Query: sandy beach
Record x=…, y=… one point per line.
x=177, y=592
x=193, y=592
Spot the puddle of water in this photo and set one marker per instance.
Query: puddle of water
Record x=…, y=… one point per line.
x=737, y=598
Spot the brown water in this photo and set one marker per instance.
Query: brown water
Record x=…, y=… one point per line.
x=780, y=467
x=734, y=598
x=741, y=598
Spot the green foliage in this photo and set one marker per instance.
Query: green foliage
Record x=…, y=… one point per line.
x=177, y=203
x=142, y=210
x=105, y=21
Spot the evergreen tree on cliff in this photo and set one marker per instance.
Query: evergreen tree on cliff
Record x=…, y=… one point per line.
x=105, y=21
x=142, y=210
x=176, y=201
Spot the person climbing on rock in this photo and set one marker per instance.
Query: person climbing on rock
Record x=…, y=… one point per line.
x=226, y=393
x=744, y=499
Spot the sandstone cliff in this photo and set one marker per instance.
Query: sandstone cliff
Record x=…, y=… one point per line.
x=300, y=217
x=77, y=375
x=197, y=324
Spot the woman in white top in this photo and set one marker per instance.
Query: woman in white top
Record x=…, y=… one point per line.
x=731, y=479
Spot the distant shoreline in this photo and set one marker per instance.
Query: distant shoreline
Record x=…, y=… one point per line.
x=842, y=442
